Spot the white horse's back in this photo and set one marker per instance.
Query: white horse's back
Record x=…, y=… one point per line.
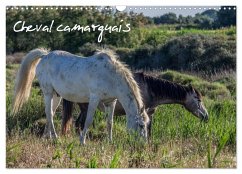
x=74, y=77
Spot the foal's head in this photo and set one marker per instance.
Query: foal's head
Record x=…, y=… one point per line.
x=193, y=103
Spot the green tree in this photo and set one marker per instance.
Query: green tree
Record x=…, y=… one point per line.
x=213, y=14
x=168, y=18
x=203, y=21
x=227, y=16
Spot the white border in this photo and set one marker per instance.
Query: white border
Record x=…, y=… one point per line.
x=113, y=3
x=122, y=2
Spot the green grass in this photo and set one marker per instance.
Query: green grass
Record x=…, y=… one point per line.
x=179, y=140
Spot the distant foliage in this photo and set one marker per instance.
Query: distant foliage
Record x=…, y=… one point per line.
x=191, y=43
x=69, y=41
x=213, y=14
x=168, y=18
x=191, y=52
x=226, y=16
x=200, y=53
x=203, y=21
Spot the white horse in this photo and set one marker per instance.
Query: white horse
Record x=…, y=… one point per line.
x=98, y=78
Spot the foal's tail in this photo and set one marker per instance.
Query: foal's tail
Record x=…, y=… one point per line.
x=25, y=77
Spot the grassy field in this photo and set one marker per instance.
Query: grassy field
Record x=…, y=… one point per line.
x=179, y=140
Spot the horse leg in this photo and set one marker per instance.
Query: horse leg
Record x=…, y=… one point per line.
x=51, y=103
x=149, y=127
x=82, y=117
x=55, y=104
x=66, y=116
x=80, y=122
x=92, y=106
x=151, y=114
x=109, y=109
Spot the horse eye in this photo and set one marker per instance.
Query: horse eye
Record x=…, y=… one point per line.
x=198, y=99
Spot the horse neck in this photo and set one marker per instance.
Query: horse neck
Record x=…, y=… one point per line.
x=130, y=106
x=164, y=97
x=162, y=93
x=168, y=100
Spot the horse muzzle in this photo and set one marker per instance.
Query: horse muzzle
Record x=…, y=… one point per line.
x=205, y=118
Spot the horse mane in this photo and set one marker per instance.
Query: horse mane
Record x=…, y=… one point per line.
x=126, y=74
x=169, y=89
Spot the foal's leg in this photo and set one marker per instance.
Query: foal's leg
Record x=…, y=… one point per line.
x=93, y=103
x=109, y=109
x=150, y=112
x=66, y=116
x=80, y=122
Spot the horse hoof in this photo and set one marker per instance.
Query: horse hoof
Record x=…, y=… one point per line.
x=46, y=135
x=54, y=136
x=82, y=141
x=50, y=136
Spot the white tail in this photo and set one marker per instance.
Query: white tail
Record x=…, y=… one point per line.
x=25, y=77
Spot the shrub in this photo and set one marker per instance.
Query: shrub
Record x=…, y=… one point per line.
x=212, y=90
x=200, y=52
x=15, y=58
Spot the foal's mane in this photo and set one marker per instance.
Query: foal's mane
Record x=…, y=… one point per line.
x=164, y=88
x=123, y=70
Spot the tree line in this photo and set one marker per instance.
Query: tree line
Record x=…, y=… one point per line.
x=208, y=19
x=23, y=41
x=69, y=41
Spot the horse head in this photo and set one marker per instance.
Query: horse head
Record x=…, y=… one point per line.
x=193, y=103
x=143, y=122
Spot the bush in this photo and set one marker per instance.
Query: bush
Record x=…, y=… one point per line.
x=190, y=52
x=88, y=49
x=126, y=55
x=14, y=58
x=200, y=53
x=229, y=82
x=212, y=90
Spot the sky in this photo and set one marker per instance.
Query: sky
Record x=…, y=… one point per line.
x=183, y=10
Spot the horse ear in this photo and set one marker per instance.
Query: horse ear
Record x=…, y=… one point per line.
x=190, y=87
